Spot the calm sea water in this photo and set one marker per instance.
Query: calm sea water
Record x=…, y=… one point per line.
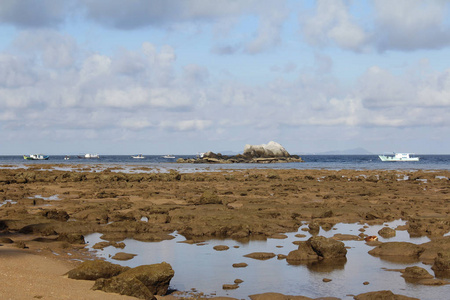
x=330, y=162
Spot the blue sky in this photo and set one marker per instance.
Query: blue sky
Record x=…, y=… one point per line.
x=181, y=77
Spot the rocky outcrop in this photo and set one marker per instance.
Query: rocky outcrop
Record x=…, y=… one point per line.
x=95, y=269
x=441, y=266
x=265, y=153
x=272, y=149
x=382, y=295
x=398, y=249
x=142, y=282
x=317, y=248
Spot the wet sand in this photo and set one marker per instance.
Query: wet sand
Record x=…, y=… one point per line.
x=47, y=208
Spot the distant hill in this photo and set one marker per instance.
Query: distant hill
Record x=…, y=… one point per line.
x=354, y=151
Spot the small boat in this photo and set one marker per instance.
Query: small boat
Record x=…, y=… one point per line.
x=398, y=157
x=36, y=157
x=139, y=156
x=67, y=157
x=88, y=156
x=169, y=156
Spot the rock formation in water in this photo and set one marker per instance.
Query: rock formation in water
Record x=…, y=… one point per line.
x=272, y=152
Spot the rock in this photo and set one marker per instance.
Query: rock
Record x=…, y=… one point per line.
x=95, y=269
x=441, y=266
x=314, y=228
x=346, y=237
x=72, y=238
x=327, y=248
x=416, y=273
x=155, y=277
x=272, y=149
x=399, y=249
x=59, y=215
x=260, y=255
x=304, y=253
x=230, y=286
x=240, y=265
x=5, y=240
x=326, y=280
x=123, y=256
x=382, y=295
x=124, y=286
x=221, y=248
x=209, y=197
x=237, y=281
x=277, y=296
x=387, y=232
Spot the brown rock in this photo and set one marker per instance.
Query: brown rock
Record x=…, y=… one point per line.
x=221, y=248
x=382, y=295
x=327, y=248
x=399, y=249
x=416, y=273
x=260, y=255
x=387, y=232
x=95, y=269
x=240, y=265
x=123, y=256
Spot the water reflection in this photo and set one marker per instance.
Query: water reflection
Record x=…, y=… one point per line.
x=215, y=268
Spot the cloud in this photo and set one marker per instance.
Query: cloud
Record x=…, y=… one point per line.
x=411, y=24
x=186, y=125
x=332, y=22
x=34, y=14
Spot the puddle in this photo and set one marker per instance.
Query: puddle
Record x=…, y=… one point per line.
x=51, y=198
x=214, y=268
x=7, y=201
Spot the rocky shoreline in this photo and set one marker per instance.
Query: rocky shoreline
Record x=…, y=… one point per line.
x=238, y=204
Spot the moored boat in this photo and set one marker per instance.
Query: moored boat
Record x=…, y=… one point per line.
x=36, y=157
x=398, y=157
x=139, y=156
x=89, y=155
x=169, y=156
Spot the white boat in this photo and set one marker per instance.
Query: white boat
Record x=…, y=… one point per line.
x=36, y=157
x=89, y=155
x=67, y=157
x=398, y=157
x=169, y=156
x=139, y=156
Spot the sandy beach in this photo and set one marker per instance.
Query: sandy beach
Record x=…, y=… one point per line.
x=43, y=207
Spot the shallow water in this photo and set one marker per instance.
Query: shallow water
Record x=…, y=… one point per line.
x=201, y=267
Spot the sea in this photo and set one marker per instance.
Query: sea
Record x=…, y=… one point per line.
x=158, y=162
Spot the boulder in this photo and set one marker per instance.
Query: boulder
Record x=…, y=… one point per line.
x=327, y=247
x=155, y=277
x=124, y=286
x=272, y=149
x=386, y=232
x=95, y=269
x=72, y=238
x=399, y=249
x=382, y=295
x=416, y=273
x=123, y=256
x=304, y=253
x=441, y=266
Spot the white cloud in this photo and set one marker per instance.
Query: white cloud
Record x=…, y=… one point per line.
x=411, y=24
x=187, y=125
x=333, y=22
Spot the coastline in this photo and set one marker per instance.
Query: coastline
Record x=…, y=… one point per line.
x=351, y=195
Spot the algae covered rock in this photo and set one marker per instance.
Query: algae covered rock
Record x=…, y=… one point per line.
x=399, y=249
x=95, y=269
x=124, y=286
x=327, y=247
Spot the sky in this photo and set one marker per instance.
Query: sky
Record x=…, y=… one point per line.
x=189, y=76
